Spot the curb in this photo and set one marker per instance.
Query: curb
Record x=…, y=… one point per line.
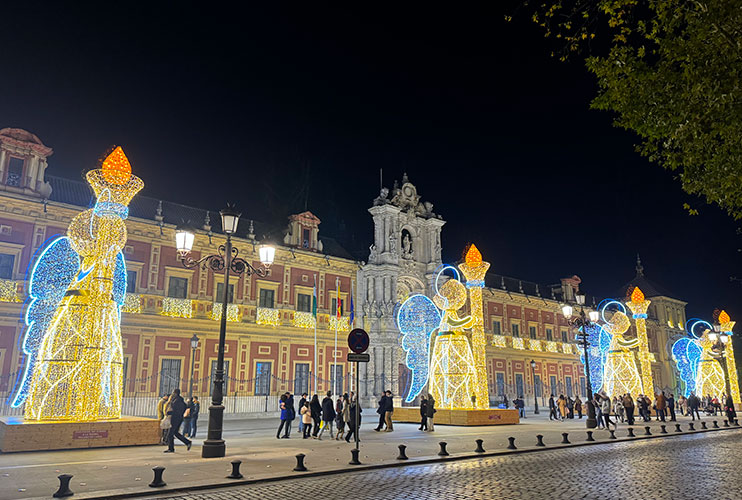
x=190, y=488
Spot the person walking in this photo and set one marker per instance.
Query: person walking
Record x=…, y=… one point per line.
x=552, y=409
x=352, y=428
x=328, y=414
x=693, y=404
x=316, y=409
x=423, y=414
x=195, y=411
x=381, y=411
x=597, y=404
x=301, y=406
x=292, y=414
x=661, y=405
x=188, y=418
x=671, y=407
x=570, y=407
x=430, y=413
x=628, y=406
x=606, y=409
x=176, y=411
x=578, y=407
x=306, y=418
x=729, y=409
x=562, y=406
x=521, y=406
x=284, y=415
x=161, y=414
x=388, y=411
x=339, y=422
x=618, y=409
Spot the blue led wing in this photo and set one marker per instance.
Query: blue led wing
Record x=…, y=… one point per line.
x=416, y=320
x=686, y=352
x=119, y=280
x=51, y=275
x=599, y=340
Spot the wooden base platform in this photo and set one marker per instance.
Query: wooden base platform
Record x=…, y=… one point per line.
x=493, y=416
x=17, y=434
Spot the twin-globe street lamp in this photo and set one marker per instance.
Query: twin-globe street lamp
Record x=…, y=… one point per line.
x=719, y=347
x=581, y=323
x=194, y=346
x=225, y=260
x=535, y=396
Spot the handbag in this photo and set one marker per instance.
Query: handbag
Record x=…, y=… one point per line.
x=187, y=413
x=165, y=423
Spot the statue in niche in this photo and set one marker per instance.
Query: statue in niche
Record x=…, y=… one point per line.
x=392, y=244
x=372, y=253
x=406, y=245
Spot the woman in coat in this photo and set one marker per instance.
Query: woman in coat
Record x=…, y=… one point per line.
x=306, y=418
x=284, y=416
x=430, y=413
x=339, y=421
x=316, y=409
x=423, y=413
x=562, y=406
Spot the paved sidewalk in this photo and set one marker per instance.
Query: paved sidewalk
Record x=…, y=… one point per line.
x=24, y=475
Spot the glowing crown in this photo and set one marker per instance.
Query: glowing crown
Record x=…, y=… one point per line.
x=637, y=296
x=114, y=182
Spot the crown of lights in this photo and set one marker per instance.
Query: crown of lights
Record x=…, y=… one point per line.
x=114, y=182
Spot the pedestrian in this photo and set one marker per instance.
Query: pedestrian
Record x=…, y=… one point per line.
x=606, y=409
x=430, y=413
x=347, y=416
x=562, y=406
x=339, y=422
x=570, y=407
x=316, y=408
x=353, y=429
x=671, y=407
x=195, y=411
x=618, y=409
x=292, y=414
x=519, y=405
x=389, y=411
x=729, y=408
x=301, y=406
x=328, y=414
x=161, y=414
x=578, y=407
x=284, y=415
x=306, y=418
x=423, y=413
x=505, y=401
x=552, y=409
x=684, y=406
x=381, y=411
x=693, y=404
x=597, y=404
x=188, y=417
x=176, y=411
x=628, y=406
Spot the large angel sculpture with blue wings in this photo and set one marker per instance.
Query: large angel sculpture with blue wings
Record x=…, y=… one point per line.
x=72, y=343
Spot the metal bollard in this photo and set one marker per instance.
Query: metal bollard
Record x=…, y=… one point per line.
x=590, y=436
x=480, y=448
x=736, y=422
x=402, y=455
x=663, y=429
x=647, y=430
x=565, y=438
x=235, y=470
x=726, y=423
x=703, y=425
x=354, y=457
x=64, y=486
x=511, y=443
x=716, y=424
x=443, y=452
x=300, y=463
x=690, y=426
x=540, y=440
x=677, y=428
x=613, y=434
x=631, y=432
x=157, y=482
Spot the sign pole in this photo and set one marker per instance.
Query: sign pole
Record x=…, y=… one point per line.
x=358, y=405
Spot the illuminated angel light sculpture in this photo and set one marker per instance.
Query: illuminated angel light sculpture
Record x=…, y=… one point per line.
x=698, y=360
x=72, y=343
x=449, y=368
x=639, y=305
x=620, y=375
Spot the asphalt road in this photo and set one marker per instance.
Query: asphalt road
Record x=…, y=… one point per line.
x=680, y=467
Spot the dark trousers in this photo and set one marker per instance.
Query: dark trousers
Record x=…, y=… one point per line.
x=661, y=415
x=381, y=422
x=175, y=433
x=553, y=414
x=608, y=420
x=423, y=423
x=672, y=414
x=579, y=412
x=694, y=412
x=316, y=426
x=187, y=422
x=351, y=431
x=194, y=425
x=287, y=424
x=307, y=430
x=629, y=415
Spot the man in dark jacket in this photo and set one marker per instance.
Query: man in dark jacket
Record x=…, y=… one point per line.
x=301, y=405
x=671, y=407
x=328, y=414
x=431, y=413
x=388, y=410
x=693, y=404
x=552, y=409
x=352, y=430
x=194, y=412
x=423, y=413
x=177, y=409
x=380, y=411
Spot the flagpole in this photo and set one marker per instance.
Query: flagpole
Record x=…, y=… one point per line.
x=315, y=333
x=337, y=323
x=351, y=327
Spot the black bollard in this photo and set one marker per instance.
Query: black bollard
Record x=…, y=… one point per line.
x=511, y=443
x=647, y=431
x=540, y=440
x=354, y=457
x=402, y=455
x=157, y=482
x=613, y=434
x=677, y=428
x=631, y=432
x=480, y=448
x=716, y=424
x=663, y=429
x=565, y=438
x=690, y=426
x=590, y=436
x=64, y=486
x=443, y=452
x=300, y=463
x=235, y=470
x=703, y=425
x=736, y=422
x=726, y=423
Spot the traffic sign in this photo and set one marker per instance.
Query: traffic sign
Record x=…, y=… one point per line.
x=358, y=358
x=358, y=340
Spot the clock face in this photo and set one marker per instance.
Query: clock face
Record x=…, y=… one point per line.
x=408, y=191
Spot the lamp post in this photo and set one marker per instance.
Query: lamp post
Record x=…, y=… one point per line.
x=581, y=323
x=535, y=396
x=226, y=260
x=194, y=346
x=719, y=347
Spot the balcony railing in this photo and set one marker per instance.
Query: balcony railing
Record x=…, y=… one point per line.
x=304, y=320
x=233, y=312
x=267, y=316
x=341, y=324
x=9, y=291
x=132, y=303
x=177, y=308
x=534, y=345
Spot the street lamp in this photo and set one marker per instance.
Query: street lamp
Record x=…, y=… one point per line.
x=194, y=345
x=225, y=260
x=581, y=323
x=535, y=396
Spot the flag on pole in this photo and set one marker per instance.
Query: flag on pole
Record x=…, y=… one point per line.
x=338, y=313
x=352, y=314
x=314, y=299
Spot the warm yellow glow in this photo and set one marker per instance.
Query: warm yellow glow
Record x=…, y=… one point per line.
x=534, y=345
x=304, y=319
x=132, y=303
x=567, y=348
x=724, y=317
x=78, y=374
x=639, y=305
x=499, y=341
x=9, y=291
x=233, y=312
x=551, y=346
x=518, y=343
x=473, y=256
x=732, y=373
x=620, y=374
x=342, y=323
x=177, y=308
x=267, y=316
x=637, y=296
x=710, y=378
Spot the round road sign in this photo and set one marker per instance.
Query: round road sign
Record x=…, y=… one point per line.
x=358, y=340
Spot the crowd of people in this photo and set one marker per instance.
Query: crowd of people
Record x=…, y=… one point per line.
x=315, y=417
x=173, y=412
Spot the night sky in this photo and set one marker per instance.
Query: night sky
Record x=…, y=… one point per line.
x=272, y=109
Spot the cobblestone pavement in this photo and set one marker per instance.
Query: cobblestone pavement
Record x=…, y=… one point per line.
x=682, y=467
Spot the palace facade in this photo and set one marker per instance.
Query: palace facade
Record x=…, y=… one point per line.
x=271, y=330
